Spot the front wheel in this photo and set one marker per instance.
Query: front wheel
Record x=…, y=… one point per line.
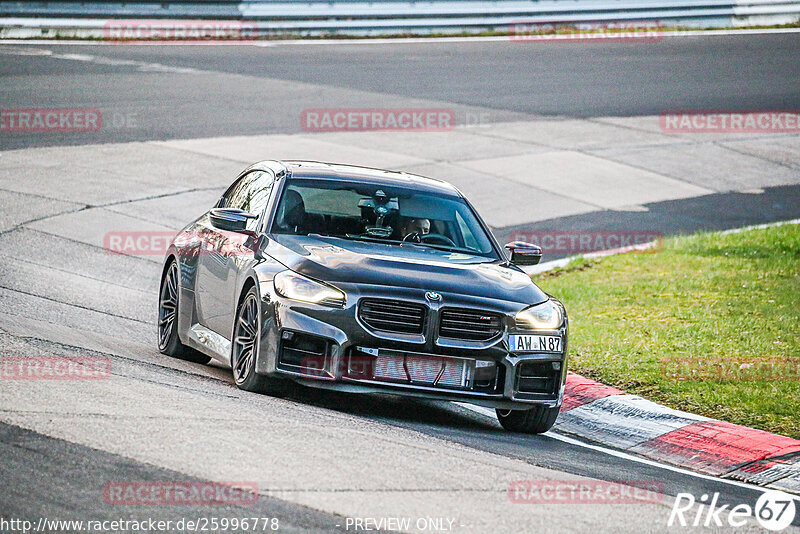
x=537, y=420
x=246, y=346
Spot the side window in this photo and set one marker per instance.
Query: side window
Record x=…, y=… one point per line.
x=251, y=194
x=466, y=234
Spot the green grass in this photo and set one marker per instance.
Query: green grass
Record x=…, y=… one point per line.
x=709, y=300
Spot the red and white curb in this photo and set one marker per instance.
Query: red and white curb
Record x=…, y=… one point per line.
x=603, y=414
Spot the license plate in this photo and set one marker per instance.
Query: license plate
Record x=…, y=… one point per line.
x=530, y=343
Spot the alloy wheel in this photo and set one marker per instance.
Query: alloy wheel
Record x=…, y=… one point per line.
x=168, y=306
x=245, y=339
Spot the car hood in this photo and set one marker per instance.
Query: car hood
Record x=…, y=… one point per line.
x=338, y=260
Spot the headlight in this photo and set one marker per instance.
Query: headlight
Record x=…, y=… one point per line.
x=544, y=316
x=296, y=287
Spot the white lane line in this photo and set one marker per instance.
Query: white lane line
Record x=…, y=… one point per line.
x=142, y=66
x=488, y=412
x=758, y=227
x=563, y=262
x=74, y=57
x=384, y=40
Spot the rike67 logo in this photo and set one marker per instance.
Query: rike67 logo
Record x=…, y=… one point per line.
x=774, y=510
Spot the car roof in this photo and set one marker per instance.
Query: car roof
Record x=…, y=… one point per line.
x=298, y=169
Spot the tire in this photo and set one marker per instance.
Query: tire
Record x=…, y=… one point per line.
x=245, y=348
x=169, y=342
x=537, y=420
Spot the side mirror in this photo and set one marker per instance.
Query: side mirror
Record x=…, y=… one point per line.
x=231, y=219
x=262, y=243
x=524, y=253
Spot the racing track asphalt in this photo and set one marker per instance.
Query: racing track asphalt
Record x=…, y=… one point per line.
x=248, y=90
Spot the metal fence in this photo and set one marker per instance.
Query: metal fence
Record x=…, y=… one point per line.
x=373, y=17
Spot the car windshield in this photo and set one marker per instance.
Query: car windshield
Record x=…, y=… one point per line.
x=383, y=213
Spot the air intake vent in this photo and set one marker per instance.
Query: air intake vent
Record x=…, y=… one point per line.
x=303, y=353
x=470, y=325
x=538, y=378
x=392, y=316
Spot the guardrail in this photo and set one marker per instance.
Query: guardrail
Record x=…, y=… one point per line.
x=370, y=17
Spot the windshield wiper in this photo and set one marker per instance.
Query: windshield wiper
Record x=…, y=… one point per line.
x=371, y=239
x=354, y=237
x=378, y=231
x=445, y=248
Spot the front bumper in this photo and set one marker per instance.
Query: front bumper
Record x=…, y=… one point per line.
x=333, y=348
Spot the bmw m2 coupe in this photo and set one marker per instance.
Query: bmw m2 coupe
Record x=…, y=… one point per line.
x=363, y=280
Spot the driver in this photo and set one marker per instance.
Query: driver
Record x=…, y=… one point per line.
x=417, y=226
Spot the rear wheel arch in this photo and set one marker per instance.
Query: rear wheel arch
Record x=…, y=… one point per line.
x=169, y=341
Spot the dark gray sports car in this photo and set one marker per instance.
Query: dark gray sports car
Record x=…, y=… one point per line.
x=363, y=280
